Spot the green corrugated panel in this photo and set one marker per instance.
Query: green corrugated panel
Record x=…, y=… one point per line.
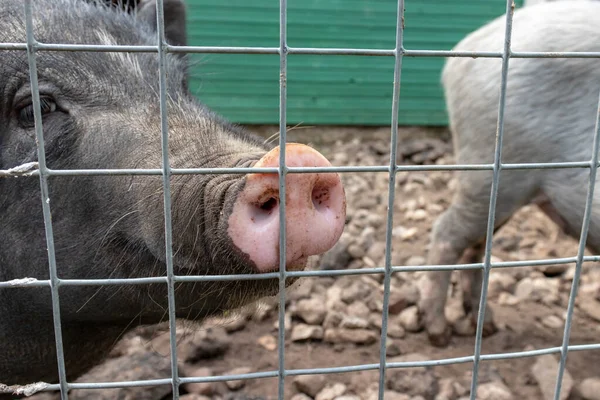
x=346, y=90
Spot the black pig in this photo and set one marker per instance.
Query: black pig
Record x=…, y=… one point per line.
x=101, y=110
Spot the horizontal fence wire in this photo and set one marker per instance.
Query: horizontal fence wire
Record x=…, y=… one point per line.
x=32, y=282
x=42, y=172
x=298, y=50
x=27, y=170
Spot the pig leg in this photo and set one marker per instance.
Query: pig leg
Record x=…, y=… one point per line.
x=460, y=228
x=472, y=285
x=471, y=279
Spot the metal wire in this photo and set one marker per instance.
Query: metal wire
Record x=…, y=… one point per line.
x=282, y=170
x=32, y=282
x=28, y=170
x=41, y=152
x=42, y=172
x=298, y=50
x=166, y=174
x=510, y=8
x=391, y=196
x=332, y=370
x=580, y=251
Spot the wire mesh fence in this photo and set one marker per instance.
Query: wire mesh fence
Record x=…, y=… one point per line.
x=41, y=170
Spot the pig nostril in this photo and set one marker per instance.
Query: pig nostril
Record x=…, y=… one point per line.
x=262, y=211
x=269, y=205
x=321, y=198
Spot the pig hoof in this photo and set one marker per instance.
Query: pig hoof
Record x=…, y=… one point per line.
x=489, y=327
x=436, y=326
x=467, y=307
x=440, y=338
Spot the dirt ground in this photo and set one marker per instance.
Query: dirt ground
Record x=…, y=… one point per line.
x=521, y=326
x=529, y=309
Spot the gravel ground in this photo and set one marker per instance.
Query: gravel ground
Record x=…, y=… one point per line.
x=336, y=321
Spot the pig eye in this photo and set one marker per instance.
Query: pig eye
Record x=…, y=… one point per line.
x=26, y=118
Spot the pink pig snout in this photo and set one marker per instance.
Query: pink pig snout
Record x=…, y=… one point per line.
x=315, y=211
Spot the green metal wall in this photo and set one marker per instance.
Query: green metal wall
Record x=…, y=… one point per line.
x=345, y=90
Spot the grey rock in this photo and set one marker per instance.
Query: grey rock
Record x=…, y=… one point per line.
x=387, y=395
x=300, y=290
x=375, y=321
x=312, y=311
x=358, y=336
x=447, y=390
x=395, y=329
x=204, y=344
x=302, y=332
x=330, y=392
x=589, y=389
x=240, y=396
x=501, y=282
x=392, y=349
x=552, y=321
x=309, y=384
x=415, y=260
x=590, y=306
x=403, y=297
x=358, y=309
x=357, y=291
x=418, y=381
x=337, y=257
x=537, y=289
x=333, y=319
x=287, y=321
x=409, y=319
x=350, y=322
x=301, y=396
x=237, y=384
x=199, y=388
x=377, y=251
x=494, y=391
x=133, y=367
x=356, y=250
x=545, y=371
x=193, y=396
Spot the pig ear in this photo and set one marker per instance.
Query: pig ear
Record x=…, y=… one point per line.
x=175, y=23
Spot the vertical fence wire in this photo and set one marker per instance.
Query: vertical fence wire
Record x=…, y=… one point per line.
x=391, y=195
x=510, y=7
x=45, y=197
x=580, y=253
x=166, y=178
x=282, y=178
